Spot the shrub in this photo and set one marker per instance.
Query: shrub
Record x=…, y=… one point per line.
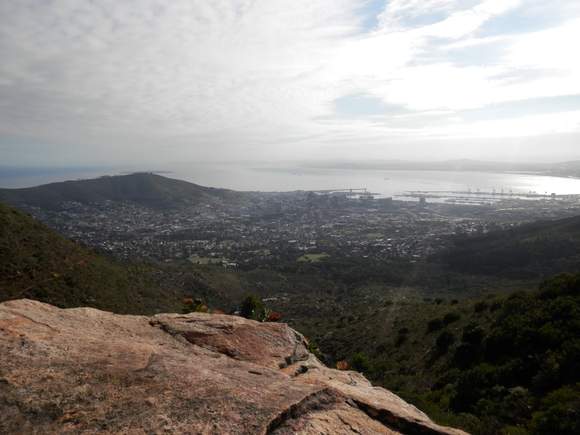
x=360, y=362
x=401, y=339
x=381, y=348
x=473, y=386
x=560, y=413
x=560, y=285
x=473, y=334
x=435, y=325
x=253, y=308
x=480, y=307
x=314, y=350
x=194, y=306
x=465, y=355
x=444, y=341
x=451, y=317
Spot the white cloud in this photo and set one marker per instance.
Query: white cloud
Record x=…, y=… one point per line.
x=527, y=65
x=258, y=78
x=168, y=68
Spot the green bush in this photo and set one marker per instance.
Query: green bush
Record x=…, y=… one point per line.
x=480, y=307
x=253, y=308
x=401, y=339
x=451, y=317
x=435, y=325
x=465, y=355
x=559, y=413
x=472, y=386
x=360, y=362
x=473, y=334
x=444, y=341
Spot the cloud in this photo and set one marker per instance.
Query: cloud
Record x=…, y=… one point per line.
x=149, y=80
x=156, y=69
x=443, y=65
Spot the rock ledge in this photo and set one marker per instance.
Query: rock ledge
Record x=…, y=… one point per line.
x=83, y=370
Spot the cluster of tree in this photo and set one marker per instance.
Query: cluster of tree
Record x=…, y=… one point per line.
x=509, y=365
x=522, y=375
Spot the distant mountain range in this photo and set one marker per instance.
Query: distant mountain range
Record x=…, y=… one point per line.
x=146, y=189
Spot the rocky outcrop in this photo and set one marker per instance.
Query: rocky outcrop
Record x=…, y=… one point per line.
x=83, y=370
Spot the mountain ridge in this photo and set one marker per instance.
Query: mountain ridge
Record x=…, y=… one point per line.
x=143, y=188
x=542, y=248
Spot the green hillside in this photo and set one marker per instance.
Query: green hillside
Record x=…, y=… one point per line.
x=145, y=189
x=37, y=263
x=533, y=250
x=499, y=365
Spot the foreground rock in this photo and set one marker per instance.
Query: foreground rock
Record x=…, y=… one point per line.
x=83, y=370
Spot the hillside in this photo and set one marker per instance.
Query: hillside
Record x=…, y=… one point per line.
x=539, y=249
x=499, y=365
x=146, y=189
x=37, y=263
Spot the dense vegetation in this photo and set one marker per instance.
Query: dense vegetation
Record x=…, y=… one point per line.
x=507, y=364
x=533, y=250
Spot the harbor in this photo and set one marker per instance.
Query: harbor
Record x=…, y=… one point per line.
x=481, y=197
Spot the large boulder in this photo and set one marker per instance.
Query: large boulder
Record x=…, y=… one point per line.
x=83, y=370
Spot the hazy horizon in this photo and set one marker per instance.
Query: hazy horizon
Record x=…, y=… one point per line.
x=381, y=177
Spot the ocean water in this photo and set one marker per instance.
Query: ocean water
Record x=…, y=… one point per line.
x=384, y=183
x=261, y=178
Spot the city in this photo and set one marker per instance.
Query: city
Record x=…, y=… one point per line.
x=295, y=226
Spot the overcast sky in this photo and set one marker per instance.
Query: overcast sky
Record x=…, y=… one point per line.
x=109, y=81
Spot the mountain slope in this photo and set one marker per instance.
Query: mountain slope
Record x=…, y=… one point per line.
x=502, y=365
x=37, y=263
x=537, y=249
x=145, y=189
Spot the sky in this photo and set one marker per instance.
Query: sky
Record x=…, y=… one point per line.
x=146, y=82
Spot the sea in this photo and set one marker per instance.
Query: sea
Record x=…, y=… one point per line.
x=400, y=184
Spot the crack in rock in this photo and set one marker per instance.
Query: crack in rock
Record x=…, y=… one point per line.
x=394, y=422
x=317, y=401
